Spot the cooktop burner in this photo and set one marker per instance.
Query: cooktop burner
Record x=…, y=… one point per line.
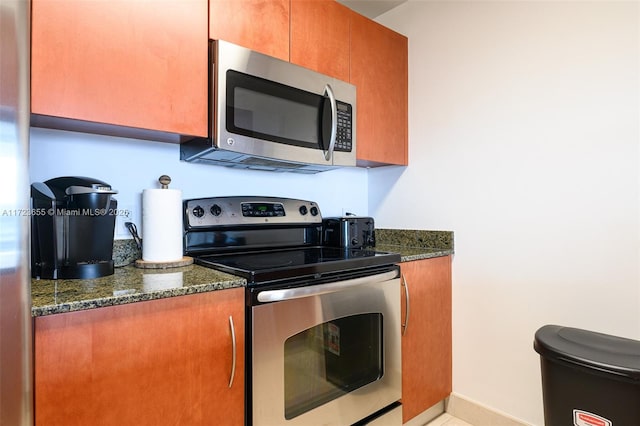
x=270, y=240
x=267, y=266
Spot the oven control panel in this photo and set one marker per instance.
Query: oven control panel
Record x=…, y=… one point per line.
x=234, y=211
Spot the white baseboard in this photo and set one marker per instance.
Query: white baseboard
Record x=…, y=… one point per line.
x=427, y=415
x=477, y=414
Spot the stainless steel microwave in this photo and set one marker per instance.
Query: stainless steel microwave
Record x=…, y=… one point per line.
x=270, y=114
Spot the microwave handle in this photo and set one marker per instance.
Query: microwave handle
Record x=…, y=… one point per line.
x=334, y=122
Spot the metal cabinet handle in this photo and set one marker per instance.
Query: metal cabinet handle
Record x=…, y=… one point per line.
x=405, y=284
x=334, y=122
x=233, y=351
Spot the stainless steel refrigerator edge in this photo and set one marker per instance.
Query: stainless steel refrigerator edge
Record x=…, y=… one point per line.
x=16, y=384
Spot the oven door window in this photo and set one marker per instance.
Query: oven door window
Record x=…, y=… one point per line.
x=266, y=110
x=331, y=359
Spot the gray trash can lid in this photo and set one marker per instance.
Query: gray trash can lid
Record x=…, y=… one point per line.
x=601, y=353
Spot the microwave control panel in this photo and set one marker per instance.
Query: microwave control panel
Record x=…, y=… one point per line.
x=343, y=136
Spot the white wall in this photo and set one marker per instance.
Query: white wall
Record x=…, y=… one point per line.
x=524, y=140
x=130, y=166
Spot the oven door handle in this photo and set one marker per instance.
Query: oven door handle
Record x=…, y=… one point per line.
x=319, y=289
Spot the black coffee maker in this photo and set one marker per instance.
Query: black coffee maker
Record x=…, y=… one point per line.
x=72, y=224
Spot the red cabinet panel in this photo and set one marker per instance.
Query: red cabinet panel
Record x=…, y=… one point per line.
x=160, y=362
x=426, y=344
x=138, y=64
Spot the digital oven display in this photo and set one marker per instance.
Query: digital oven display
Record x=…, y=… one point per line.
x=262, y=209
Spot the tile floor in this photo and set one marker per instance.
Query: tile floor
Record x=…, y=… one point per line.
x=447, y=420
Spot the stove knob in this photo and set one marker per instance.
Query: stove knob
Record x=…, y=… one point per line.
x=198, y=211
x=215, y=210
x=303, y=210
x=314, y=211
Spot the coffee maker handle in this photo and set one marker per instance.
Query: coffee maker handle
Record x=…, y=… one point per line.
x=76, y=189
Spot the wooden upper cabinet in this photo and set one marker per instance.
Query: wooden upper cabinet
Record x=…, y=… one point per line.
x=426, y=344
x=260, y=25
x=160, y=362
x=320, y=36
x=126, y=63
x=379, y=69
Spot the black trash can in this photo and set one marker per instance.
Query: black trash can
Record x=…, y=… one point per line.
x=588, y=378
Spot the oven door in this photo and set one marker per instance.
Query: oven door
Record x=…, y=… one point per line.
x=327, y=354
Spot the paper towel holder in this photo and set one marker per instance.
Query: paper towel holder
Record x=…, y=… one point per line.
x=164, y=180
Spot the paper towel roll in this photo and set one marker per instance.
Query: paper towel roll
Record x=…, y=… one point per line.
x=161, y=225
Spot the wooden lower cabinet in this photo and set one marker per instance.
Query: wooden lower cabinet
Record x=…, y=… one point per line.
x=161, y=362
x=426, y=343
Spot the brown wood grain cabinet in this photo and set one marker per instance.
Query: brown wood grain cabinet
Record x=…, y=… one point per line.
x=116, y=66
x=310, y=33
x=426, y=343
x=320, y=34
x=379, y=69
x=160, y=362
x=260, y=25
x=137, y=64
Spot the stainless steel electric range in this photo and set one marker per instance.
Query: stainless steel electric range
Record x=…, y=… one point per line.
x=323, y=322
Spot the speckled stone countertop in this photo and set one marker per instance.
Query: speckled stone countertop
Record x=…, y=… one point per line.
x=415, y=244
x=129, y=284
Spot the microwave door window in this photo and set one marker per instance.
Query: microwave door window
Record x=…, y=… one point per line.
x=271, y=111
x=272, y=117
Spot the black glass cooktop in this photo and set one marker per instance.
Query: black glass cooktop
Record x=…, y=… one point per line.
x=259, y=267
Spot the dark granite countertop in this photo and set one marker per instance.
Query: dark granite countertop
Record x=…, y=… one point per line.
x=408, y=254
x=129, y=284
x=415, y=244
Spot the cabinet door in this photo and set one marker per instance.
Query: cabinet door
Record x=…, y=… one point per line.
x=426, y=343
x=139, y=64
x=320, y=36
x=379, y=69
x=260, y=25
x=161, y=362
